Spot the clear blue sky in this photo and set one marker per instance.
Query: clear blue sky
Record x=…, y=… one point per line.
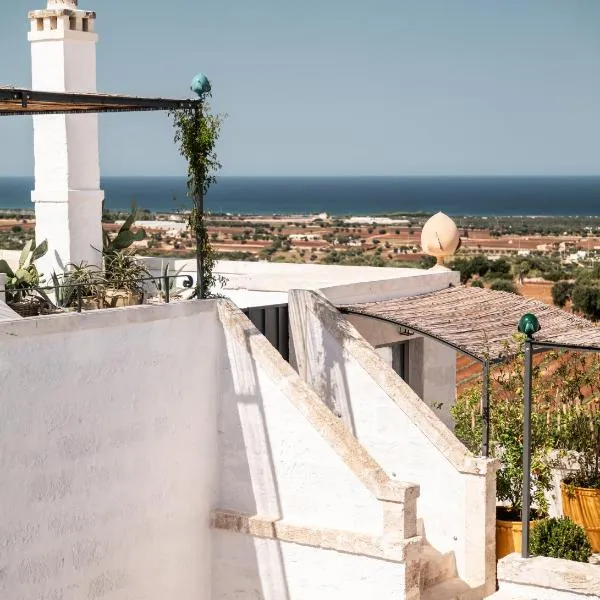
x=337, y=87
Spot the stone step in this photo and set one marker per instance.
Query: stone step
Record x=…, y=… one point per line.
x=500, y=595
x=436, y=567
x=452, y=589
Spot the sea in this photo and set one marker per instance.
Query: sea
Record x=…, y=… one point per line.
x=457, y=196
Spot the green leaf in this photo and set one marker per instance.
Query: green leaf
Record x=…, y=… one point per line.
x=25, y=259
x=123, y=240
x=5, y=268
x=129, y=221
x=39, y=251
x=139, y=235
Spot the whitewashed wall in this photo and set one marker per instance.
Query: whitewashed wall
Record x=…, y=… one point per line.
x=432, y=365
x=456, y=507
x=107, y=454
x=135, y=442
x=283, y=456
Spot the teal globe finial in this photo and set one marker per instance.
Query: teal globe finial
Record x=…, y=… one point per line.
x=200, y=85
x=529, y=324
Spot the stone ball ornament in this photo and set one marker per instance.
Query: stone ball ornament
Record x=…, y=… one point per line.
x=440, y=237
x=200, y=85
x=529, y=324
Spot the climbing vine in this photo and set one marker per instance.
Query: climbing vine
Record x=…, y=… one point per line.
x=196, y=133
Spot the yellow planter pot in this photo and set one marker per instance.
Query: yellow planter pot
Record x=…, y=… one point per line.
x=582, y=506
x=509, y=536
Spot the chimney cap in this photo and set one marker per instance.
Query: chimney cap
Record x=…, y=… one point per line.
x=62, y=3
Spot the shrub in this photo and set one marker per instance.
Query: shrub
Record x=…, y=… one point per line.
x=560, y=538
x=477, y=283
x=504, y=285
x=561, y=292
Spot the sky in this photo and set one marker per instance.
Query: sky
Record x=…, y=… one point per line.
x=341, y=87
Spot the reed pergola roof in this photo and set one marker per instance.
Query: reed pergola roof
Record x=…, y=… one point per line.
x=19, y=101
x=479, y=321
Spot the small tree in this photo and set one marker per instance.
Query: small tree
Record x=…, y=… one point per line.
x=504, y=285
x=196, y=132
x=561, y=292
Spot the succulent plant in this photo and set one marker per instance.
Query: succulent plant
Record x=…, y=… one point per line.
x=26, y=277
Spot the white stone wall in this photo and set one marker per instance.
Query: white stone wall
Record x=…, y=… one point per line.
x=432, y=365
x=456, y=507
x=123, y=432
x=247, y=568
x=107, y=454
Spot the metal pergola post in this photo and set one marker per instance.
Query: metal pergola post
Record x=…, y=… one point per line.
x=485, y=408
x=526, y=500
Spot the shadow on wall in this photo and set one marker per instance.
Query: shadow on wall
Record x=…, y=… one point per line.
x=246, y=457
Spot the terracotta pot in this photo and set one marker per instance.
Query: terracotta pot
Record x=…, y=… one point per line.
x=120, y=298
x=509, y=536
x=582, y=506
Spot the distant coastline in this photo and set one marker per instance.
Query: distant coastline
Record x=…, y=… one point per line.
x=457, y=196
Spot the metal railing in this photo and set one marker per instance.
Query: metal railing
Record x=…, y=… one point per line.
x=47, y=293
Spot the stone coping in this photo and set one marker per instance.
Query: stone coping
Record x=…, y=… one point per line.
x=550, y=574
x=306, y=401
x=273, y=528
x=390, y=382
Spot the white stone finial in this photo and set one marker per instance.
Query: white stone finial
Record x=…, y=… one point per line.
x=62, y=4
x=440, y=237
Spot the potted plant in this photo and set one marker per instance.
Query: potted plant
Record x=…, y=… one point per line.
x=81, y=287
x=124, y=275
x=506, y=444
x=22, y=282
x=122, y=270
x=580, y=491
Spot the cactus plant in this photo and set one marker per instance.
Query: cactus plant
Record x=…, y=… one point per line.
x=26, y=277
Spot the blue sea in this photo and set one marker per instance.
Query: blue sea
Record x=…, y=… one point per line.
x=348, y=195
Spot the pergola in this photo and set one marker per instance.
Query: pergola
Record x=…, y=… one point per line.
x=479, y=322
x=20, y=101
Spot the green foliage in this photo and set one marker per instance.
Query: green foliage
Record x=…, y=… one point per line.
x=477, y=283
x=196, y=134
x=562, y=419
x=561, y=292
x=124, y=272
x=506, y=426
x=26, y=277
x=560, y=538
x=427, y=262
x=586, y=298
x=79, y=281
x=124, y=238
x=504, y=285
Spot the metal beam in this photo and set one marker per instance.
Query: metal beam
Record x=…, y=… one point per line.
x=20, y=101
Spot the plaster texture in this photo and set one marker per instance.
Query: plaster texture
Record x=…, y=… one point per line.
x=546, y=578
x=290, y=571
x=456, y=508
x=67, y=195
x=431, y=365
x=107, y=454
x=168, y=451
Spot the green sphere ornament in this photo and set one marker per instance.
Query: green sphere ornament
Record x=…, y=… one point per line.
x=529, y=324
x=200, y=85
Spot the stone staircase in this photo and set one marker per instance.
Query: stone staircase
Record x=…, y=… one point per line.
x=438, y=578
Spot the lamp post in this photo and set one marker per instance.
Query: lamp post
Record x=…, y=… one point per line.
x=528, y=324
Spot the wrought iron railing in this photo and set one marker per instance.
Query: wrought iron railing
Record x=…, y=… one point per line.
x=48, y=293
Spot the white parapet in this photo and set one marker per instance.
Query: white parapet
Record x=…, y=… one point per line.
x=67, y=194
